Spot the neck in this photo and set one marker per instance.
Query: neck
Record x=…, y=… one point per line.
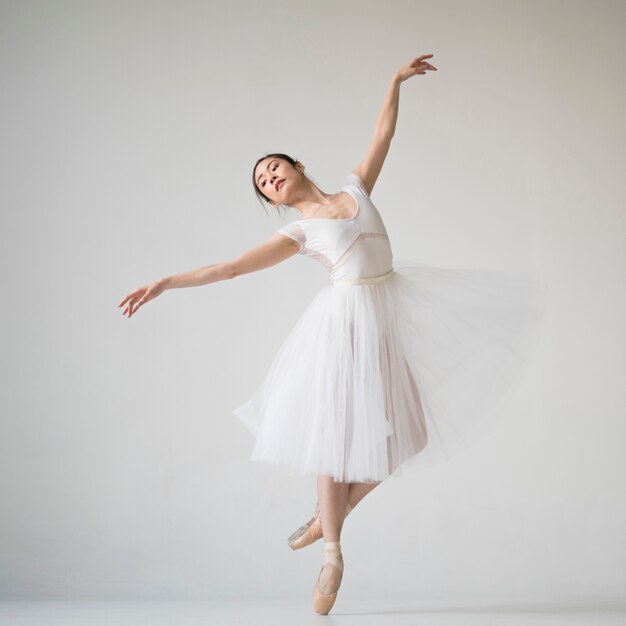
x=308, y=199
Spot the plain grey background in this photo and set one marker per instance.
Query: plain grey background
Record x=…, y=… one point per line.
x=129, y=132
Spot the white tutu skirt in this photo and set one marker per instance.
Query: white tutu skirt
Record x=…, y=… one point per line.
x=378, y=378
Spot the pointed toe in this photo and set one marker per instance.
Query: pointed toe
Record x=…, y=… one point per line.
x=307, y=534
x=323, y=603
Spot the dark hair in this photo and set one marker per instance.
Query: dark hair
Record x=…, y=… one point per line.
x=276, y=155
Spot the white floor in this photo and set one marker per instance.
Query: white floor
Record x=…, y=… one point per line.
x=259, y=613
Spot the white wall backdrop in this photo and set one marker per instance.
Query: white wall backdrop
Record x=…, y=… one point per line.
x=128, y=135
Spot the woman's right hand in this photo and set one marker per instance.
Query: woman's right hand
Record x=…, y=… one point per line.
x=415, y=66
x=142, y=294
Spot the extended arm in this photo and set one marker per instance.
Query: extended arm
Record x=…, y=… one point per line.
x=369, y=169
x=276, y=249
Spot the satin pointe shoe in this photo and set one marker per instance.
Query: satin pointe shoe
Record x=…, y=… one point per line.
x=311, y=531
x=308, y=533
x=322, y=603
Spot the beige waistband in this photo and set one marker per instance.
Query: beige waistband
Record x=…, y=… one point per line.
x=363, y=281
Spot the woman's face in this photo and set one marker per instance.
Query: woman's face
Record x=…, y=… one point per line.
x=274, y=177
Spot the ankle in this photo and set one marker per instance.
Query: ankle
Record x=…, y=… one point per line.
x=333, y=555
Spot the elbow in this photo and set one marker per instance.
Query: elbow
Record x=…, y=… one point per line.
x=231, y=270
x=385, y=134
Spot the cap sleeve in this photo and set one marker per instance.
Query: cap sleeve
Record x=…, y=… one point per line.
x=294, y=231
x=354, y=180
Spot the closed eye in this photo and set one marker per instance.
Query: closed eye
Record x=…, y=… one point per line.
x=275, y=166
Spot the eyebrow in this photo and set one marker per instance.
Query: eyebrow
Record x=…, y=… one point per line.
x=267, y=167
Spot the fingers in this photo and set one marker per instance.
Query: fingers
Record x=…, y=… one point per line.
x=146, y=297
x=421, y=58
x=418, y=62
x=132, y=294
x=134, y=299
x=139, y=303
x=132, y=309
x=417, y=66
x=128, y=307
x=423, y=67
x=132, y=305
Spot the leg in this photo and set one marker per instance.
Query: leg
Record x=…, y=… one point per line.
x=312, y=530
x=332, y=498
x=359, y=490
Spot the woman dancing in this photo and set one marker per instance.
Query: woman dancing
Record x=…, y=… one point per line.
x=391, y=365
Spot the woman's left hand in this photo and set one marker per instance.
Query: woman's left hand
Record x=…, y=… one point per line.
x=416, y=66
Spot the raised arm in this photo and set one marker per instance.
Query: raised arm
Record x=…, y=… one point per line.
x=276, y=249
x=369, y=169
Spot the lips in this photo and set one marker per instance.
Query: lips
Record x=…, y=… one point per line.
x=279, y=184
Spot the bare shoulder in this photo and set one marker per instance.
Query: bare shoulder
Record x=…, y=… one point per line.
x=365, y=183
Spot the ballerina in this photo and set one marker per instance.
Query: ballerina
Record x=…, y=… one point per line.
x=390, y=365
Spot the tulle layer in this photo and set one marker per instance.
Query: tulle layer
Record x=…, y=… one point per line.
x=378, y=378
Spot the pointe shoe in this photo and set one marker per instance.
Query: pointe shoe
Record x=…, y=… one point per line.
x=332, y=558
x=311, y=531
x=308, y=533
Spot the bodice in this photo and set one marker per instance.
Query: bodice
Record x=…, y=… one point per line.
x=354, y=247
